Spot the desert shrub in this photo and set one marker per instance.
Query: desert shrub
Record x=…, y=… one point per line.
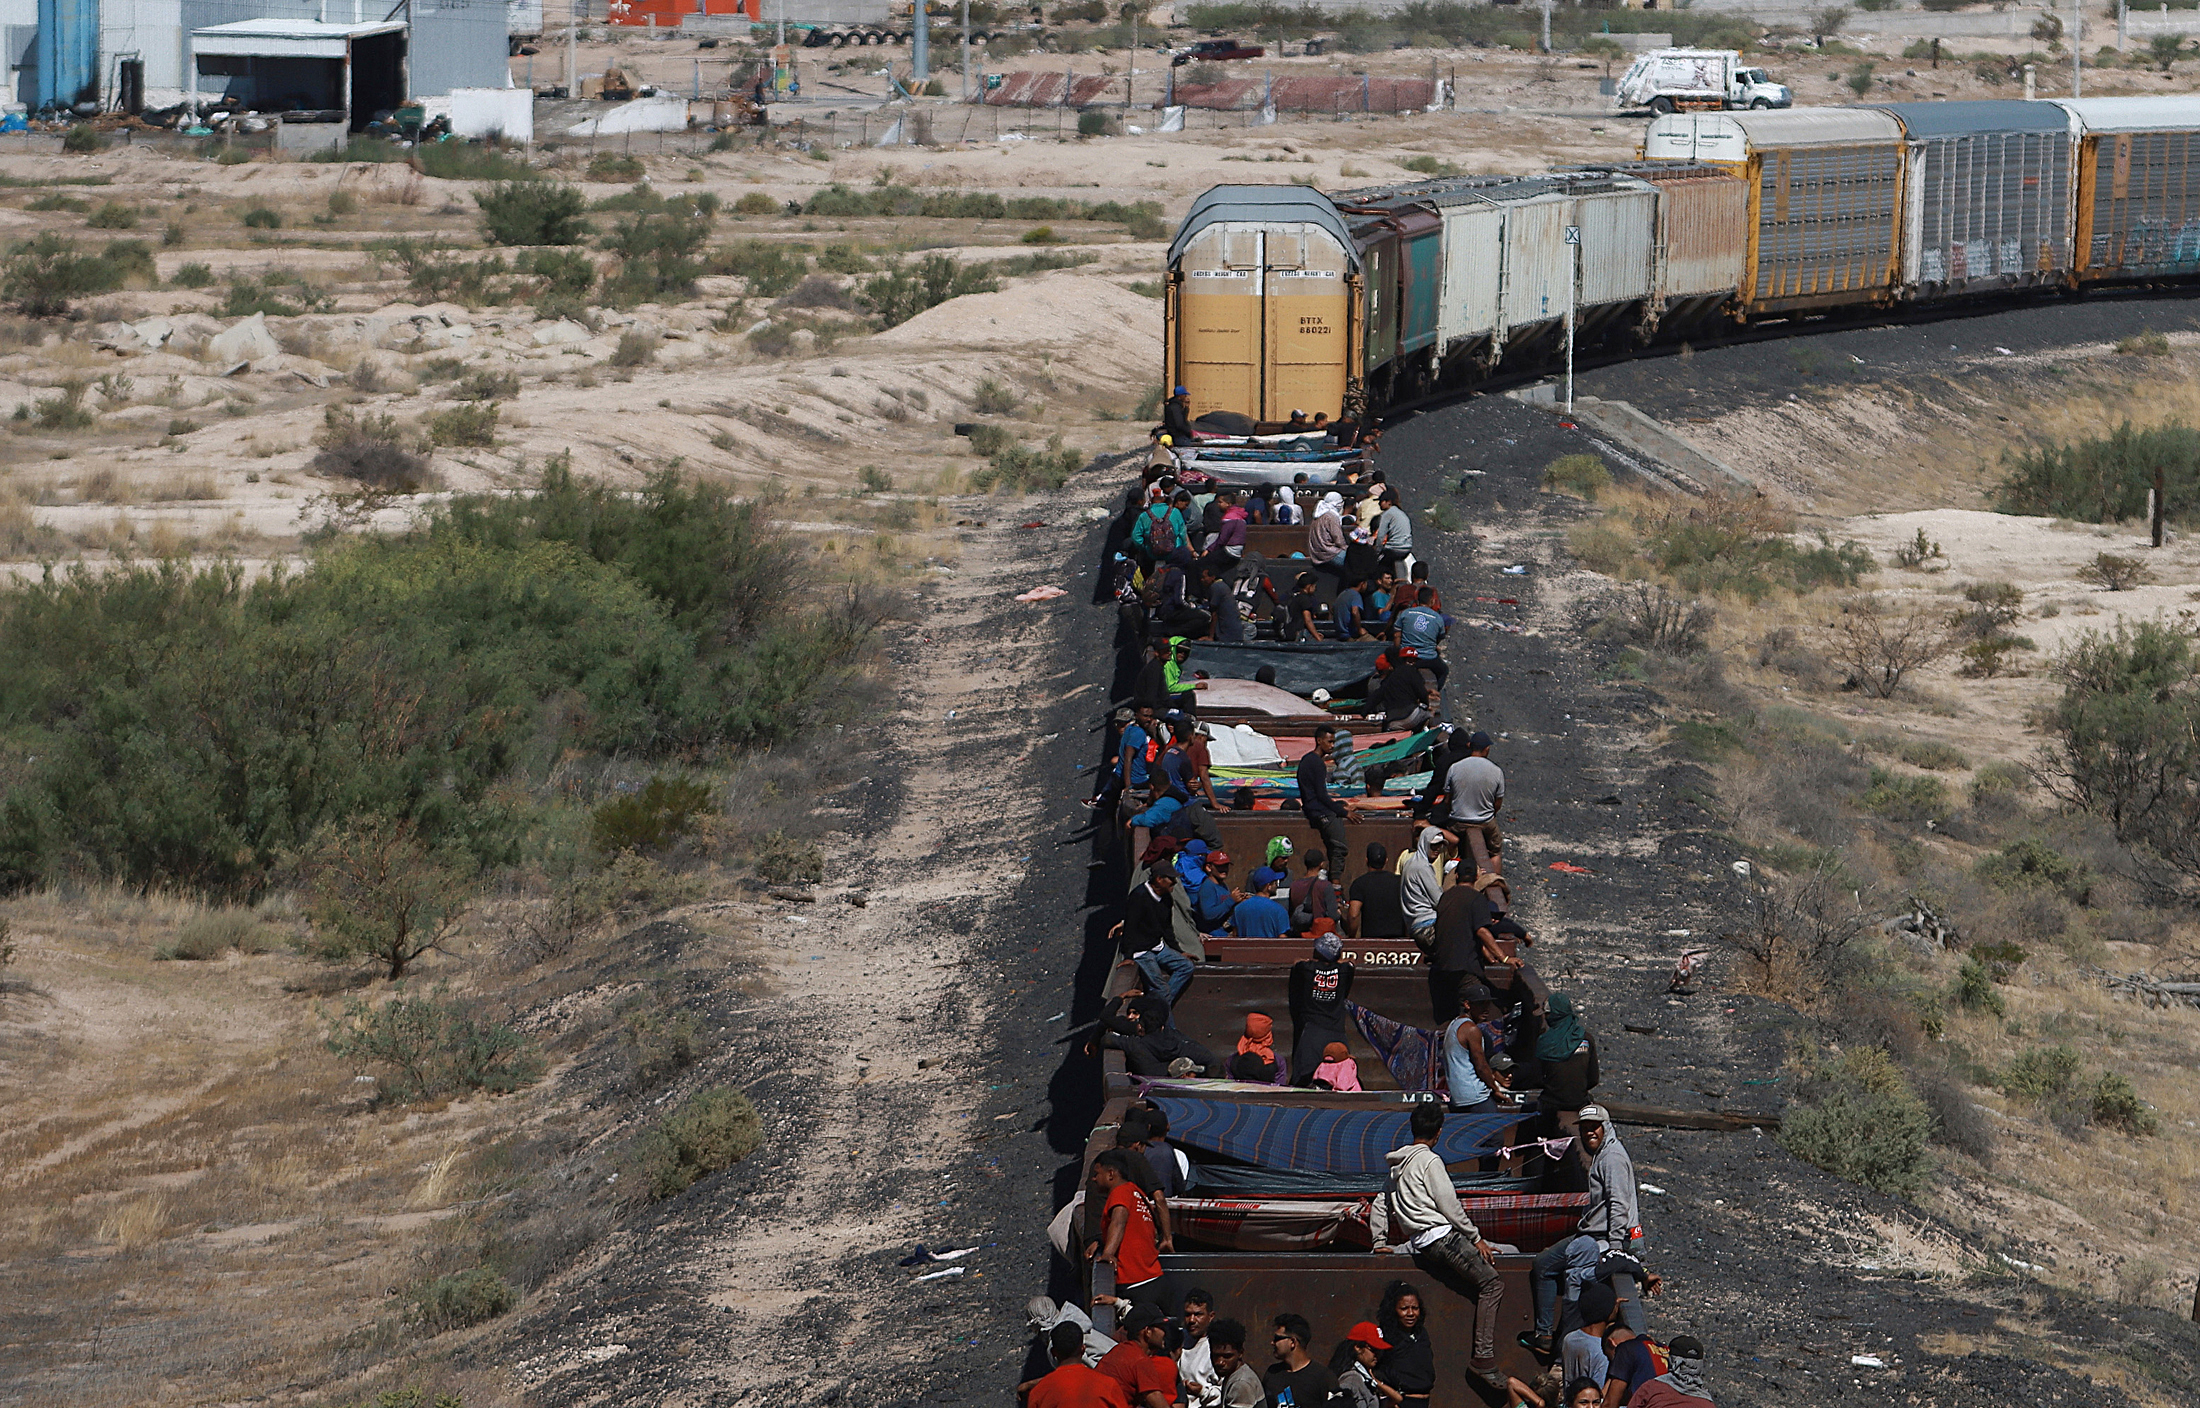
x=57, y=201
x=2105, y=479
x=532, y=212
x=379, y=891
x=2040, y=1073
x=1903, y=797
x=1990, y=658
x=662, y=1044
x=1931, y=754
x=657, y=256
x=1581, y=475
x=470, y=425
x=1862, y=1122
x=340, y=202
x=82, y=138
x=1990, y=609
x=1024, y=469
x=1719, y=544
x=1801, y=929
x=616, y=166
x=42, y=275
x=1881, y=642
x=368, y=450
x=2116, y=1104
x=213, y=932
x=65, y=409
x=1974, y=989
x=781, y=859
x=651, y=819
x=771, y=269
x=711, y=1131
x=900, y=294
x=113, y=215
x=430, y=1046
x=259, y=217
x=1657, y=619
x=818, y=291
x=636, y=349
x=843, y=259
x=1917, y=552
x=485, y=385
x=2126, y=737
x=1999, y=783
x=991, y=398
x=465, y=1298
x=2145, y=343
x=872, y=480
x=756, y=203
x=1142, y=219
x=192, y=275
x=2114, y=573
x=2032, y=864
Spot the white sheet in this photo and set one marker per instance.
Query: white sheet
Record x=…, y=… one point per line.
x=1240, y=746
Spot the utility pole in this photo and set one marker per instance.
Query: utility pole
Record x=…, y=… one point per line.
x=966, y=50
x=1573, y=282
x=1547, y=25
x=2077, y=51
x=1130, y=89
x=572, y=55
x=920, y=49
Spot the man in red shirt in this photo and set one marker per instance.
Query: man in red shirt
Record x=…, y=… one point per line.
x=1127, y=1234
x=1072, y=1384
x=1141, y=1363
x=1681, y=1385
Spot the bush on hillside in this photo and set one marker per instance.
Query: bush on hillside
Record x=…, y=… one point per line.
x=428, y=1046
x=712, y=1130
x=532, y=212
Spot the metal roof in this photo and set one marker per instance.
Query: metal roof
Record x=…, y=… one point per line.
x=1271, y=204
x=297, y=39
x=1474, y=190
x=1792, y=127
x=1963, y=119
x=2171, y=112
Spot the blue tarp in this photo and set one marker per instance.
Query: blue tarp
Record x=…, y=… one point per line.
x=1320, y=1141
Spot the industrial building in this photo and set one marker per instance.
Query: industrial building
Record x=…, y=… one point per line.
x=339, y=59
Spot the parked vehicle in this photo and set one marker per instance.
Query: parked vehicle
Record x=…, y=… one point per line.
x=1215, y=51
x=1670, y=80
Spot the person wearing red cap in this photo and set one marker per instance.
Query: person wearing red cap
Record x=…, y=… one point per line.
x=1354, y=1365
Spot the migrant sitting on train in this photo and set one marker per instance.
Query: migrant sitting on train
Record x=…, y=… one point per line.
x=1281, y=298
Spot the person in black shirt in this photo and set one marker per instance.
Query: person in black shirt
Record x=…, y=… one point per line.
x=1409, y=1365
x=1146, y=935
x=1373, y=909
x=1176, y=416
x=1462, y=918
x=1303, y=615
x=1296, y=1379
x=1322, y=811
x=1151, y=1043
x=1320, y=987
x=1401, y=693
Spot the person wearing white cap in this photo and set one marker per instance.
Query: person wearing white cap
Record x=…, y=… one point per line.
x=1611, y=1225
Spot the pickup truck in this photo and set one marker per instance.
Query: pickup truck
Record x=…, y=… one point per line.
x=1215, y=51
x=1670, y=80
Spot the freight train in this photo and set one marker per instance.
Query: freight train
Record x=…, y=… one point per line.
x=1280, y=298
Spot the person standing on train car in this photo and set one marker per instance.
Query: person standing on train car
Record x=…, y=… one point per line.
x=1420, y=1203
x=1320, y=987
x=1322, y=811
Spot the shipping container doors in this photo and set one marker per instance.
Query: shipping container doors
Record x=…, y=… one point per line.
x=1263, y=321
x=2139, y=205
x=1986, y=210
x=1473, y=263
x=1825, y=227
x=1539, y=265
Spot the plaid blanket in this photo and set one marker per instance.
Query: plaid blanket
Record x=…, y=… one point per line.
x=1409, y=1052
x=1324, y=1141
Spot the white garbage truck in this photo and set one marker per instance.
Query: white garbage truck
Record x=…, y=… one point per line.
x=1676, y=80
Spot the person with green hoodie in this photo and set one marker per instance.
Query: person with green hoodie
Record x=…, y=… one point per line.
x=1419, y=1202
x=1567, y=1054
x=1183, y=689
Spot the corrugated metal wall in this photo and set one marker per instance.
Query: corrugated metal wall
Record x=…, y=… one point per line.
x=2145, y=203
x=1825, y=221
x=1618, y=233
x=1703, y=228
x=458, y=44
x=1423, y=267
x=1989, y=208
x=1473, y=261
x=1538, y=264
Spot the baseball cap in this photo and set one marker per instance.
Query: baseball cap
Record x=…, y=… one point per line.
x=1479, y=739
x=1195, y=848
x=1218, y=857
x=1685, y=1347
x=1180, y=391
x=1140, y=1317
x=1594, y=1114
x=1476, y=992
x=1367, y=1333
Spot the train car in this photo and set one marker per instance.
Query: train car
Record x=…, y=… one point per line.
x=1262, y=303
x=2137, y=202
x=1986, y=197
x=1825, y=192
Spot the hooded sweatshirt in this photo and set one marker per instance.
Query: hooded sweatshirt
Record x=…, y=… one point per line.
x=1419, y=888
x=1418, y=1198
x=1613, y=1211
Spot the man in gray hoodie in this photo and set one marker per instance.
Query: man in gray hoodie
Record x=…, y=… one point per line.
x=1420, y=1203
x=1609, y=1235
